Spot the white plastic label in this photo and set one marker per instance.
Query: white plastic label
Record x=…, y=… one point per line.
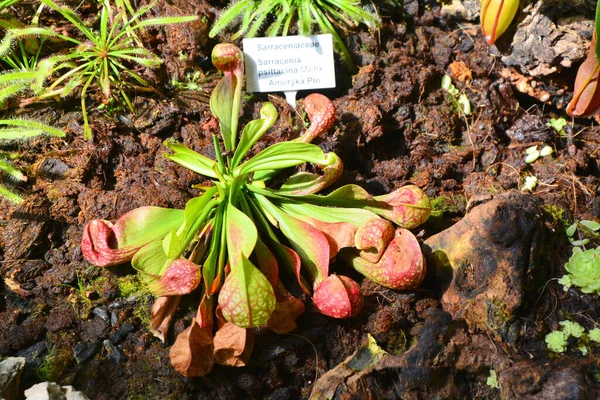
x=289, y=63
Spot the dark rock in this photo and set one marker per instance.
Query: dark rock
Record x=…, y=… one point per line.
x=93, y=330
x=121, y=332
x=102, y=313
x=114, y=318
x=33, y=352
x=467, y=45
x=488, y=263
x=115, y=353
x=559, y=379
x=11, y=370
x=414, y=374
x=84, y=351
x=53, y=168
x=34, y=356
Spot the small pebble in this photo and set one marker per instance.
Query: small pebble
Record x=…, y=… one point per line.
x=102, y=313
x=115, y=353
x=114, y=318
x=84, y=351
x=121, y=332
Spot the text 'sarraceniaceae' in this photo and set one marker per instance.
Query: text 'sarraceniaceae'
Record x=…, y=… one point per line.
x=233, y=243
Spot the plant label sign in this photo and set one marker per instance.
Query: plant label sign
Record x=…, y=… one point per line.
x=288, y=64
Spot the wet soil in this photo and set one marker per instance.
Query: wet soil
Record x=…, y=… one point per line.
x=87, y=326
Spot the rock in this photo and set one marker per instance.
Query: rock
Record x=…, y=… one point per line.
x=51, y=391
x=84, y=351
x=10, y=377
x=414, y=374
x=115, y=353
x=488, y=263
x=102, y=313
x=121, y=332
x=94, y=329
x=114, y=318
x=559, y=379
x=34, y=356
x=53, y=168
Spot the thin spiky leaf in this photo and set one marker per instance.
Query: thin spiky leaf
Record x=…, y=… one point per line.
x=10, y=195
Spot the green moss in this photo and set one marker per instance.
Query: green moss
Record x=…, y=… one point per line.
x=448, y=204
x=130, y=285
x=143, y=310
x=55, y=363
x=557, y=213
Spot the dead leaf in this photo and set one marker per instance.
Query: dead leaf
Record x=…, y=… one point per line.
x=283, y=318
x=233, y=345
x=163, y=310
x=15, y=286
x=192, y=353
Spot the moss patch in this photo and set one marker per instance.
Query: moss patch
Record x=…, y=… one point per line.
x=130, y=285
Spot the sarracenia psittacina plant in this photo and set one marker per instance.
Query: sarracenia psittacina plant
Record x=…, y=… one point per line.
x=496, y=16
x=235, y=239
x=586, y=96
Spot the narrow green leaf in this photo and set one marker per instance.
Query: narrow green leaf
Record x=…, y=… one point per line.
x=11, y=171
x=10, y=195
x=355, y=216
x=253, y=131
x=191, y=159
x=284, y=155
x=195, y=215
x=165, y=21
x=228, y=15
x=35, y=126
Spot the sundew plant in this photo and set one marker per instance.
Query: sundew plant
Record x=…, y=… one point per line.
x=276, y=17
x=244, y=232
x=102, y=57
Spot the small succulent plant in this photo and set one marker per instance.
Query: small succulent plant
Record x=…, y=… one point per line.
x=583, y=270
x=234, y=239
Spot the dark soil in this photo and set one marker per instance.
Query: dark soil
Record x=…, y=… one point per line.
x=87, y=326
